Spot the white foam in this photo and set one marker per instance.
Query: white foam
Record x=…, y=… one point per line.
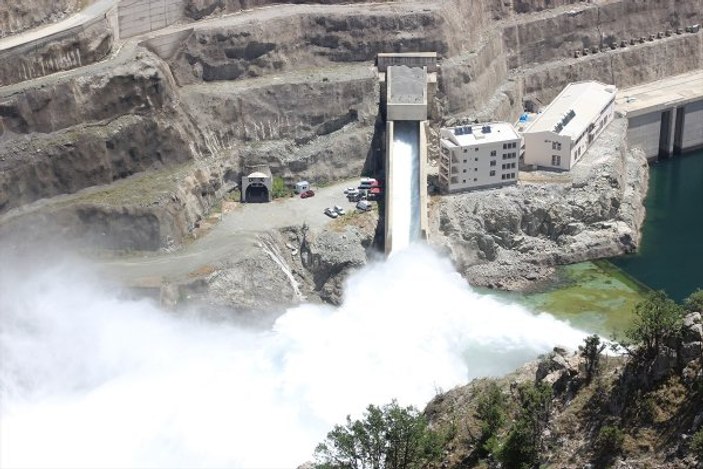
x=89, y=380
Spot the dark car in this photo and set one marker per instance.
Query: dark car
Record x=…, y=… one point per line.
x=306, y=194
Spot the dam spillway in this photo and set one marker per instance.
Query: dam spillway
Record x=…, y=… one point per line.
x=404, y=79
x=404, y=172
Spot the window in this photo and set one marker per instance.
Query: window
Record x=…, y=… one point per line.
x=475, y=169
x=476, y=149
x=465, y=161
x=556, y=146
x=464, y=170
x=505, y=146
x=514, y=144
x=512, y=175
x=502, y=176
x=475, y=179
x=493, y=153
x=492, y=173
x=556, y=160
x=493, y=163
x=466, y=150
x=476, y=159
x=512, y=165
x=464, y=181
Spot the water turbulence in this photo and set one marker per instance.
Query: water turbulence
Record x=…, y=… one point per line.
x=92, y=380
x=405, y=222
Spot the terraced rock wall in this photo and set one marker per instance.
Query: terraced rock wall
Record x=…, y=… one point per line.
x=16, y=17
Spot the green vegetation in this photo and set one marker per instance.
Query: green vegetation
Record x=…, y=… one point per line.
x=697, y=445
x=389, y=437
x=522, y=446
x=657, y=317
x=694, y=302
x=591, y=351
x=490, y=410
x=608, y=444
x=279, y=188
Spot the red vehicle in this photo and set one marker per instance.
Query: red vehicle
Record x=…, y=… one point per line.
x=306, y=194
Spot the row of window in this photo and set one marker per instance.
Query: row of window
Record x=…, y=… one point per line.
x=509, y=145
x=509, y=166
x=509, y=156
x=507, y=176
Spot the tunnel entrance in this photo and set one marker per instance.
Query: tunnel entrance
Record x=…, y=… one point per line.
x=256, y=194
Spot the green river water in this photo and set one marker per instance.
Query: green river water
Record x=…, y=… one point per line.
x=600, y=296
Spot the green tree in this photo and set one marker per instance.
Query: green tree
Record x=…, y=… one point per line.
x=590, y=351
x=694, y=302
x=522, y=447
x=279, y=188
x=388, y=437
x=490, y=410
x=656, y=318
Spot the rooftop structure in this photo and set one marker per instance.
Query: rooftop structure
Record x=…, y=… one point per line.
x=407, y=93
x=478, y=156
x=561, y=134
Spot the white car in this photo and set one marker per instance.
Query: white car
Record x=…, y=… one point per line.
x=351, y=190
x=330, y=212
x=339, y=210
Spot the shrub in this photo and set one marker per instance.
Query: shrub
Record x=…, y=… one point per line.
x=697, y=445
x=694, y=302
x=490, y=409
x=591, y=351
x=279, y=188
x=656, y=318
x=608, y=444
x=523, y=444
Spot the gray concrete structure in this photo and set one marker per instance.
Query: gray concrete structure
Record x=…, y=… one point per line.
x=665, y=117
x=142, y=16
x=404, y=97
x=257, y=184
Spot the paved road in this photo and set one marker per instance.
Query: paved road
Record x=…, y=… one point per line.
x=95, y=10
x=235, y=235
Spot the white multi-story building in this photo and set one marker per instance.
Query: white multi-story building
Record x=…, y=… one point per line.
x=476, y=156
x=562, y=133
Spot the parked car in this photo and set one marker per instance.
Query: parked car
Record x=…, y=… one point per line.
x=350, y=190
x=306, y=194
x=339, y=210
x=355, y=197
x=331, y=212
x=363, y=205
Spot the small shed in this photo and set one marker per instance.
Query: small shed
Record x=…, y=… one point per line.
x=301, y=187
x=256, y=187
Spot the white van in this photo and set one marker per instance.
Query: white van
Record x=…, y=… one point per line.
x=301, y=187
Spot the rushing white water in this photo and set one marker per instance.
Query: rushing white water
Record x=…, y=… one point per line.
x=91, y=380
x=405, y=216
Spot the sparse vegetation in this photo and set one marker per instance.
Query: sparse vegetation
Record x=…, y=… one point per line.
x=697, y=445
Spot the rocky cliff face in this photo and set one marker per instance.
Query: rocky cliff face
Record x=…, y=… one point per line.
x=292, y=86
x=653, y=405
x=510, y=237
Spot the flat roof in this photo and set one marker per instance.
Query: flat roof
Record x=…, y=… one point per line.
x=407, y=85
x=662, y=94
x=572, y=111
x=474, y=134
x=407, y=54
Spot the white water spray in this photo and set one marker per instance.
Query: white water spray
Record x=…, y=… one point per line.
x=90, y=380
x=405, y=222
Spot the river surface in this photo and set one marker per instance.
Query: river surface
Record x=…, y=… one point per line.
x=670, y=257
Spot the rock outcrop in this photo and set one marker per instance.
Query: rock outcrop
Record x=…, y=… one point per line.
x=16, y=17
x=510, y=237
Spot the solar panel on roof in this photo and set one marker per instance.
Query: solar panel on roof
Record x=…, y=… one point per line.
x=467, y=130
x=459, y=131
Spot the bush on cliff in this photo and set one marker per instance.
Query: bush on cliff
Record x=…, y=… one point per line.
x=697, y=446
x=389, y=437
x=490, y=410
x=657, y=318
x=590, y=351
x=694, y=302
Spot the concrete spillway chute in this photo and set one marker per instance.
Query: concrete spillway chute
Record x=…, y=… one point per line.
x=404, y=82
